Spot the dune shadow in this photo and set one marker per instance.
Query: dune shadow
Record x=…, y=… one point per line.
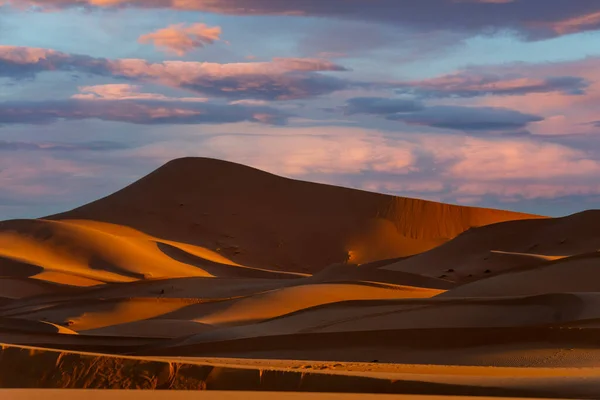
x=100, y=264
x=218, y=269
x=18, y=269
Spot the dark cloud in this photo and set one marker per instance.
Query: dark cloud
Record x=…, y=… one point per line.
x=380, y=106
x=468, y=118
x=65, y=147
x=501, y=120
x=279, y=79
x=470, y=83
x=287, y=86
x=136, y=112
x=532, y=18
x=26, y=63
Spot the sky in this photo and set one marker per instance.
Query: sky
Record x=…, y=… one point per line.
x=491, y=103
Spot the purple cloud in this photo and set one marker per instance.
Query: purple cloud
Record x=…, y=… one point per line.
x=149, y=112
x=445, y=117
x=468, y=118
x=279, y=79
x=533, y=18
x=53, y=146
x=380, y=106
x=471, y=83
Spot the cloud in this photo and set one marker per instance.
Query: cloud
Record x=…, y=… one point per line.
x=566, y=111
x=181, y=38
x=483, y=170
x=53, y=146
x=279, y=79
x=147, y=112
x=434, y=166
x=26, y=62
x=579, y=23
x=380, y=106
x=512, y=159
x=126, y=92
x=532, y=18
x=468, y=118
x=294, y=151
x=472, y=83
x=445, y=117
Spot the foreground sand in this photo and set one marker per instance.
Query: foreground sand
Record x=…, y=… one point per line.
x=240, y=395
x=193, y=278
x=58, y=369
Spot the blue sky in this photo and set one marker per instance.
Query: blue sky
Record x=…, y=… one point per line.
x=484, y=103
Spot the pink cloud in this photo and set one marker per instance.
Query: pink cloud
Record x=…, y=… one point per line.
x=294, y=151
x=474, y=83
x=566, y=94
x=281, y=78
x=486, y=160
x=181, y=38
x=126, y=92
x=576, y=24
x=33, y=175
x=430, y=166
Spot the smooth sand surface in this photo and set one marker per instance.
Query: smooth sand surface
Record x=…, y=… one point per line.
x=211, y=275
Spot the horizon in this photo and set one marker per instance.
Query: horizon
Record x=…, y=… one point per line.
x=479, y=103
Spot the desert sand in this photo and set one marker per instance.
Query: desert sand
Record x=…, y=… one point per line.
x=209, y=275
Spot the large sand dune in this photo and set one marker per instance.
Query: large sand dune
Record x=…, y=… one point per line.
x=264, y=220
x=211, y=275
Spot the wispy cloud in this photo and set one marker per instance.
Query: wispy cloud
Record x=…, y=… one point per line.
x=181, y=38
x=66, y=147
x=151, y=112
x=472, y=83
x=125, y=91
x=279, y=79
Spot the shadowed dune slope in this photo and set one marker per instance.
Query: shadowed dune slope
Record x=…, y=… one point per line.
x=263, y=220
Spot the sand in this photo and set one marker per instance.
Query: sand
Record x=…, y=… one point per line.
x=221, y=395
x=262, y=220
x=211, y=275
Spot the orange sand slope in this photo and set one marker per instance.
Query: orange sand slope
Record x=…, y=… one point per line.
x=207, y=271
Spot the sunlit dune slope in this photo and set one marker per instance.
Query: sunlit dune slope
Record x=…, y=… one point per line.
x=263, y=220
x=84, y=253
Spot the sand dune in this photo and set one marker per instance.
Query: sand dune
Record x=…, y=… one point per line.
x=211, y=275
x=263, y=220
x=511, y=245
